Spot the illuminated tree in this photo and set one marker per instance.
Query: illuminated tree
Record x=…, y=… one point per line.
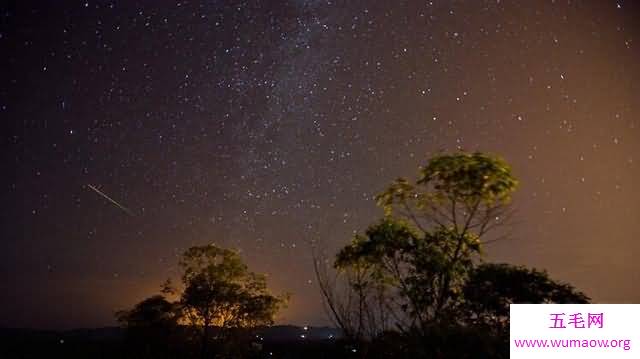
x=442, y=219
x=220, y=291
x=217, y=291
x=417, y=268
x=418, y=256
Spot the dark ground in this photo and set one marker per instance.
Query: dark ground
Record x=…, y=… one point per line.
x=273, y=342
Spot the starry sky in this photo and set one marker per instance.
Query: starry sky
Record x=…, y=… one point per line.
x=270, y=125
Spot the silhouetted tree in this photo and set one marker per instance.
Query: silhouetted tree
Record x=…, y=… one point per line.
x=150, y=324
x=491, y=287
x=421, y=262
x=417, y=257
x=154, y=311
x=219, y=291
x=443, y=218
x=355, y=302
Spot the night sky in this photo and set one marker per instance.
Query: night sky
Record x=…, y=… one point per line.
x=268, y=125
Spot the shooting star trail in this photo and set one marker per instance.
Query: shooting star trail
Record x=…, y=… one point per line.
x=125, y=209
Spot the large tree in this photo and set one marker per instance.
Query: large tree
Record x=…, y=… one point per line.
x=220, y=291
x=420, y=252
x=419, y=267
x=455, y=202
x=216, y=291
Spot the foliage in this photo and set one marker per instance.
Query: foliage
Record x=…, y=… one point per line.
x=151, y=326
x=220, y=290
x=462, y=190
x=154, y=311
x=423, y=249
x=491, y=287
x=218, y=293
x=421, y=262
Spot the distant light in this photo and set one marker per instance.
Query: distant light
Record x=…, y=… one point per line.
x=303, y=336
x=354, y=350
x=305, y=327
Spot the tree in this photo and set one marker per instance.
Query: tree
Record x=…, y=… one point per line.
x=456, y=200
x=150, y=324
x=421, y=259
x=217, y=291
x=154, y=311
x=491, y=287
x=353, y=297
x=433, y=228
x=220, y=291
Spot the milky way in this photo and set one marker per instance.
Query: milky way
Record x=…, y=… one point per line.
x=269, y=126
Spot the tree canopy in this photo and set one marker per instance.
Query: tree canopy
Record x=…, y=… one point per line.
x=217, y=291
x=155, y=311
x=420, y=270
x=220, y=290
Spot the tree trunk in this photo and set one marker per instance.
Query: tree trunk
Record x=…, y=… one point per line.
x=205, y=340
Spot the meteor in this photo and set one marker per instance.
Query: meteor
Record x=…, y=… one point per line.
x=125, y=209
